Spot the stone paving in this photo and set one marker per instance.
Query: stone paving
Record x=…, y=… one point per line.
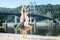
x=7, y=36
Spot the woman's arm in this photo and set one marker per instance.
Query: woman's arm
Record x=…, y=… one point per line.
x=22, y=13
x=23, y=9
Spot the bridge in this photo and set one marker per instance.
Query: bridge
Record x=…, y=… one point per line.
x=32, y=15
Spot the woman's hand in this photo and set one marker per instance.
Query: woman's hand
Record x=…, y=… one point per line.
x=23, y=9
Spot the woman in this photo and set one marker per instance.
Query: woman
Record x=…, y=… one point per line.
x=24, y=26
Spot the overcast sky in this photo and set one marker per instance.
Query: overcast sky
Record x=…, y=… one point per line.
x=15, y=3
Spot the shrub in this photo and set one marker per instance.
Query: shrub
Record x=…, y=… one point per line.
x=15, y=25
x=2, y=30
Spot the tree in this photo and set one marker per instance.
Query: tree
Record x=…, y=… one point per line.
x=1, y=19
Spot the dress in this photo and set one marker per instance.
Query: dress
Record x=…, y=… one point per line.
x=22, y=25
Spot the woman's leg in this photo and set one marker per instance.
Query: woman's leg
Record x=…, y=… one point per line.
x=24, y=32
x=19, y=28
x=28, y=27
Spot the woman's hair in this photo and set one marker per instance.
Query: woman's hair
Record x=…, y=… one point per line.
x=23, y=10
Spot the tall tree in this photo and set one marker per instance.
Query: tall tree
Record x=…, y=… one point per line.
x=1, y=19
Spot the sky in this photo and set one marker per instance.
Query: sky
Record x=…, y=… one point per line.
x=16, y=3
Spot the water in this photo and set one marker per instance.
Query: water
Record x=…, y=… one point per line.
x=40, y=30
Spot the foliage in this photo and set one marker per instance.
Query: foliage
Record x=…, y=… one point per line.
x=15, y=25
x=43, y=9
x=1, y=19
x=2, y=30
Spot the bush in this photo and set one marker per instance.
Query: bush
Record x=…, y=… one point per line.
x=15, y=25
x=2, y=30
x=1, y=19
x=0, y=24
